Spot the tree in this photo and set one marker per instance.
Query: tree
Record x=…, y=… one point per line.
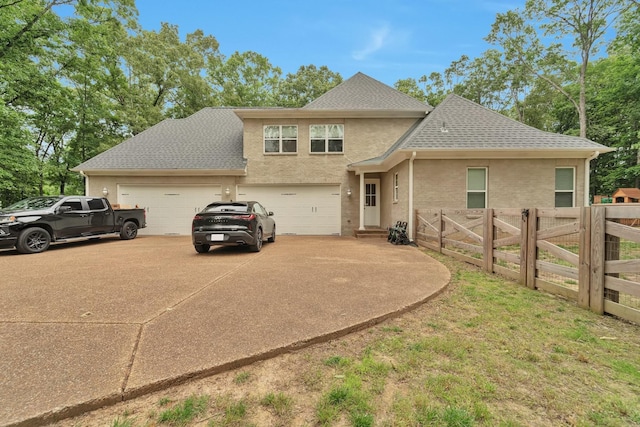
x=244, y=80
x=586, y=21
x=307, y=84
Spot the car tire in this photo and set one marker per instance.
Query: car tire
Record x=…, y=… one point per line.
x=258, y=245
x=33, y=240
x=129, y=230
x=202, y=249
x=273, y=235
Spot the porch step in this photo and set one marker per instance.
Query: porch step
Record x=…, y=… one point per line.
x=371, y=232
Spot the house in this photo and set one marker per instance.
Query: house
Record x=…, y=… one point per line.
x=361, y=155
x=626, y=195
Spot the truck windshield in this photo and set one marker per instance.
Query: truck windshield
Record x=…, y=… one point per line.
x=33, y=203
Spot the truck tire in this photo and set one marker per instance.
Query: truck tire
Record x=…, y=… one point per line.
x=33, y=240
x=129, y=230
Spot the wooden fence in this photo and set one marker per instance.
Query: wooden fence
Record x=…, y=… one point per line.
x=590, y=255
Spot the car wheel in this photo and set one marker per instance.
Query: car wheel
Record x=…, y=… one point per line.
x=129, y=230
x=202, y=249
x=273, y=235
x=258, y=245
x=33, y=240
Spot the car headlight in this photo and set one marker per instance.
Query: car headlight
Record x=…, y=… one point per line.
x=7, y=219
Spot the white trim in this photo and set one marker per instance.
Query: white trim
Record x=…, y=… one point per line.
x=411, y=214
x=486, y=186
x=587, y=179
x=326, y=138
x=573, y=191
x=280, y=139
x=396, y=184
x=361, y=201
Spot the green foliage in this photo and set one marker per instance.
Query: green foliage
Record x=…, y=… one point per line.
x=279, y=403
x=307, y=84
x=185, y=412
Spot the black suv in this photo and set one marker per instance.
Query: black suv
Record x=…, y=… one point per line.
x=233, y=223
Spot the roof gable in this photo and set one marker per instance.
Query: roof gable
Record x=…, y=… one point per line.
x=209, y=139
x=361, y=92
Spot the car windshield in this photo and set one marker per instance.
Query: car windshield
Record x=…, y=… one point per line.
x=228, y=208
x=33, y=203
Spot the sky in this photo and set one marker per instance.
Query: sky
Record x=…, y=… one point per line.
x=388, y=40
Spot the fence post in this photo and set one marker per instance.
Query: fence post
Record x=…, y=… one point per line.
x=596, y=288
x=488, y=240
x=524, y=229
x=584, y=255
x=532, y=248
x=439, y=229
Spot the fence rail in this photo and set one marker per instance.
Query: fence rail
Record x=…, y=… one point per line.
x=590, y=255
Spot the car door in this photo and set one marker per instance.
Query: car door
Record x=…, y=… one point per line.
x=267, y=221
x=72, y=218
x=100, y=216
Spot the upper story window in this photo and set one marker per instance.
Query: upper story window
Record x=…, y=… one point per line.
x=280, y=139
x=565, y=187
x=476, y=188
x=327, y=138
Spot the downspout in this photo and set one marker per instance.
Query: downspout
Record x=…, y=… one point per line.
x=362, y=196
x=587, y=183
x=86, y=183
x=410, y=222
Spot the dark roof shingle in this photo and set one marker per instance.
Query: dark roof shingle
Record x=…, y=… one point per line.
x=458, y=123
x=209, y=139
x=361, y=92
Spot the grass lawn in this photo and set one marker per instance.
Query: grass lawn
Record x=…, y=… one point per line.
x=486, y=352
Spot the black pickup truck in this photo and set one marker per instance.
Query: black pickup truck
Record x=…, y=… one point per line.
x=32, y=224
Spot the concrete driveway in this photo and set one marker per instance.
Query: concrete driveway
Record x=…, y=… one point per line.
x=88, y=324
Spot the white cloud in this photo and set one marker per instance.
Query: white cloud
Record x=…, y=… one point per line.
x=378, y=38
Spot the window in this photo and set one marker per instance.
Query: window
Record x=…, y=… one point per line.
x=565, y=185
x=395, y=187
x=96, y=204
x=281, y=139
x=327, y=138
x=476, y=188
x=74, y=204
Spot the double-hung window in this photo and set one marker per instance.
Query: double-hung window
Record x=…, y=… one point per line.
x=327, y=138
x=476, y=188
x=280, y=139
x=565, y=187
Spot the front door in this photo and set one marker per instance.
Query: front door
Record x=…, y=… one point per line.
x=372, y=202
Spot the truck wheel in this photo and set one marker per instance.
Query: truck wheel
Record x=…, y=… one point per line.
x=33, y=240
x=202, y=249
x=129, y=230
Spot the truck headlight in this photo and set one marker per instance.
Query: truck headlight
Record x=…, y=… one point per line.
x=7, y=219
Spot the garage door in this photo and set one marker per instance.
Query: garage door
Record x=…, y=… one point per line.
x=169, y=208
x=310, y=210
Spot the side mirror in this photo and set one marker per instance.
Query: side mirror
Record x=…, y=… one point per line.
x=63, y=209
x=270, y=213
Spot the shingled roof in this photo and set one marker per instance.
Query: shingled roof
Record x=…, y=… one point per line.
x=362, y=92
x=458, y=127
x=460, y=124
x=210, y=139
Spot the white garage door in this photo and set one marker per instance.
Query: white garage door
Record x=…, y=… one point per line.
x=170, y=208
x=304, y=209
